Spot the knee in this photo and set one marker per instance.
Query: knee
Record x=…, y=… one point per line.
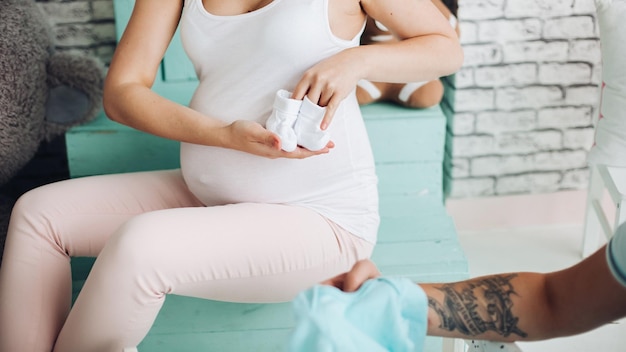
x=31, y=210
x=27, y=203
x=427, y=96
x=137, y=242
x=32, y=227
x=133, y=257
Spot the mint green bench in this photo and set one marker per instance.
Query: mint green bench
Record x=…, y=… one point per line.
x=417, y=238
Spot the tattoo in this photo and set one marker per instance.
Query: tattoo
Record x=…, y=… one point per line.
x=478, y=306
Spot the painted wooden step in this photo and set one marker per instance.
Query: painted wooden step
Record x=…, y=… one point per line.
x=410, y=178
x=234, y=341
x=397, y=135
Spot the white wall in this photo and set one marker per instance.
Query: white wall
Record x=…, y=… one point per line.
x=525, y=97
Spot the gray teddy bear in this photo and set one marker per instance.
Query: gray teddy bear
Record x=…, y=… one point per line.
x=43, y=92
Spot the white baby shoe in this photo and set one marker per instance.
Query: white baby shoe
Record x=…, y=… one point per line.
x=307, y=127
x=283, y=118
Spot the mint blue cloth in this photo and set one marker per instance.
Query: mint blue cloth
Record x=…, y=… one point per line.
x=385, y=314
x=616, y=254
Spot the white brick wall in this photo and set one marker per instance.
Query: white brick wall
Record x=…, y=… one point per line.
x=525, y=97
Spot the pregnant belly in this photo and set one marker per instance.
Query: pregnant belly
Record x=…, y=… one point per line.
x=224, y=176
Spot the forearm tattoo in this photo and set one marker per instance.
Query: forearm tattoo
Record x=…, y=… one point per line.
x=478, y=306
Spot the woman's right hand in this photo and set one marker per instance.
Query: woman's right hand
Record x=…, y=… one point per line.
x=251, y=137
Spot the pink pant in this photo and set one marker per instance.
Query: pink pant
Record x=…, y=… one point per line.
x=152, y=237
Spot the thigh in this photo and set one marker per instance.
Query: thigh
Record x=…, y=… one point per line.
x=77, y=216
x=70, y=218
x=241, y=252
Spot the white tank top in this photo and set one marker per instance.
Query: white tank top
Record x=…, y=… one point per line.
x=241, y=62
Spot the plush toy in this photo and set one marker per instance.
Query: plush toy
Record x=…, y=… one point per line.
x=414, y=94
x=43, y=92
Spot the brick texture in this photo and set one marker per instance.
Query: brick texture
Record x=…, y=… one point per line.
x=525, y=97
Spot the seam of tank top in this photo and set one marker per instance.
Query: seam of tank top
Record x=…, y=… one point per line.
x=204, y=12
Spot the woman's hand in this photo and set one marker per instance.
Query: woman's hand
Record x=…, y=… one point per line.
x=329, y=82
x=362, y=271
x=251, y=137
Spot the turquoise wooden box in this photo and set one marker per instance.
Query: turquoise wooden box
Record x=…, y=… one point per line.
x=417, y=238
x=408, y=150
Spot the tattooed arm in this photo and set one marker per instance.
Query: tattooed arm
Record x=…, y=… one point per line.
x=528, y=306
x=487, y=308
x=516, y=306
x=484, y=307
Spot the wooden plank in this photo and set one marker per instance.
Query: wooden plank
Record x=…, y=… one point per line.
x=423, y=261
x=447, y=175
x=418, y=138
x=449, y=90
x=103, y=146
x=387, y=111
x=237, y=341
x=448, y=113
x=430, y=226
x=177, y=91
x=176, y=63
x=413, y=179
x=195, y=315
x=405, y=205
x=122, y=10
x=106, y=152
x=81, y=266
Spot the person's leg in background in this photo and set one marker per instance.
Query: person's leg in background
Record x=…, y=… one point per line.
x=242, y=252
x=52, y=223
x=415, y=94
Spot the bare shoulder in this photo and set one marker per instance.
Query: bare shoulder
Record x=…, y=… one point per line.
x=349, y=7
x=346, y=17
x=145, y=39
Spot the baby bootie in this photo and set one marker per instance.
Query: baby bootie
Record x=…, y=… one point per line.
x=283, y=118
x=307, y=127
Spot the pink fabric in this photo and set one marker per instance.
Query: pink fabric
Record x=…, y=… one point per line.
x=152, y=237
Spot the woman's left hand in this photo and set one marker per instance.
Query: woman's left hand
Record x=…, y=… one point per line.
x=329, y=82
